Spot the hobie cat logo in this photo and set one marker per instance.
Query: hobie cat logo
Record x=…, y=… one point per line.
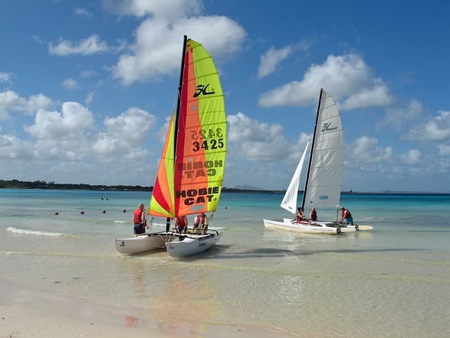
x=202, y=89
x=327, y=127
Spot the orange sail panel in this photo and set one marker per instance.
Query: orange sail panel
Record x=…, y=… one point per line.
x=162, y=201
x=195, y=179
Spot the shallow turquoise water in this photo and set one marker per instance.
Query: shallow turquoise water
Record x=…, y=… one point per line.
x=391, y=282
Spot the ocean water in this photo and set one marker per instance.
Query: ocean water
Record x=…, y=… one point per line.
x=393, y=281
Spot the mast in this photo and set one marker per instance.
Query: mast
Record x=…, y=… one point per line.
x=312, y=150
x=183, y=57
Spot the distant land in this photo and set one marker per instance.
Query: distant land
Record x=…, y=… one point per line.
x=16, y=184
x=247, y=187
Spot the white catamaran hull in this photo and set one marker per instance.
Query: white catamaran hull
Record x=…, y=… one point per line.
x=142, y=243
x=190, y=245
x=303, y=228
x=344, y=228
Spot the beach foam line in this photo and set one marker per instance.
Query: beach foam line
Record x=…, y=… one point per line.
x=33, y=232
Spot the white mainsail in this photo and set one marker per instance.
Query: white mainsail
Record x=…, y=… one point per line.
x=289, y=201
x=323, y=182
x=326, y=166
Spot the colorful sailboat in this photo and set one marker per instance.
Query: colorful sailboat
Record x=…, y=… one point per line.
x=191, y=170
x=324, y=175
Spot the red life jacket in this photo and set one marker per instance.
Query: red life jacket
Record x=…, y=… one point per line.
x=200, y=220
x=313, y=215
x=137, y=219
x=181, y=221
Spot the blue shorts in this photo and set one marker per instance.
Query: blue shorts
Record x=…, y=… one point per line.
x=139, y=229
x=348, y=220
x=181, y=229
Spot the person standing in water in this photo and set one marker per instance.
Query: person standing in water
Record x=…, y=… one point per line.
x=139, y=220
x=347, y=217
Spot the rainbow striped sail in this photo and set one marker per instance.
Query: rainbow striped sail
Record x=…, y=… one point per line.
x=191, y=170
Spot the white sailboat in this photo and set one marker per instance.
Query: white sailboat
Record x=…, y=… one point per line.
x=143, y=243
x=323, y=182
x=190, y=174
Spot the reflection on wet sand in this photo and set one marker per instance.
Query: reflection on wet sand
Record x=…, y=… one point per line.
x=131, y=321
x=179, y=296
x=188, y=301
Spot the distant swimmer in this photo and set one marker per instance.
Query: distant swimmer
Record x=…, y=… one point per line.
x=124, y=210
x=82, y=212
x=104, y=211
x=56, y=213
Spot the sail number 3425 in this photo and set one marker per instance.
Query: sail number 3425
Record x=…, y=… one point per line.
x=207, y=139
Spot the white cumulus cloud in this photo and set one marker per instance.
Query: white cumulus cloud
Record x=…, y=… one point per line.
x=158, y=46
x=270, y=60
x=367, y=150
x=345, y=77
x=10, y=101
x=169, y=9
x=435, y=130
x=258, y=141
x=70, y=84
x=91, y=45
x=123, y=134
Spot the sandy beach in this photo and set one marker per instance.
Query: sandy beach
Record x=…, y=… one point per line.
x=27, y=313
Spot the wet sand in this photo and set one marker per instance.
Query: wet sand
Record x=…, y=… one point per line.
x=28, y=313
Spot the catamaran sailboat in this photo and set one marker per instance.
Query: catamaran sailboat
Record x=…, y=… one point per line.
x=324, y=174
x=190, y=174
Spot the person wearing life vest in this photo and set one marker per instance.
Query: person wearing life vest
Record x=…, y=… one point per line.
x=201, y=219
x=347, y=217
x=139, y=220
x=181, y=224
x=313, y=215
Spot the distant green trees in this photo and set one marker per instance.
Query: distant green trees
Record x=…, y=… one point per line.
x=16, y=184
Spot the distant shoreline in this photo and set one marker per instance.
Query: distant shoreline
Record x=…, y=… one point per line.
x=16, y=184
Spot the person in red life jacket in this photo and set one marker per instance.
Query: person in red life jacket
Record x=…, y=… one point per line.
x=346, y=216
x=313, y=215
x=139, y=220
x=201, y=219
x=181, y=224
x=299, y=215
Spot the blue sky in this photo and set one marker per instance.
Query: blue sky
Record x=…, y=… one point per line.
x=87, y=87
